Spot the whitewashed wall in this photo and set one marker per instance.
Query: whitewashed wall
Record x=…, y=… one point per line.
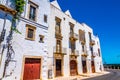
x=23, y=47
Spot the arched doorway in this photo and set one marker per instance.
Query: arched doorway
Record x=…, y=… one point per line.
x=73, y=67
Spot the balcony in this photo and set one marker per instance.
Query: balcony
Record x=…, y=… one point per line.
x=92, y=42
x=83, y=42
x=75, y=53
x=84, y=54
x=62, y=51
x=73, y=36
x=93, y=55
x=8, y=6
x=58, y=35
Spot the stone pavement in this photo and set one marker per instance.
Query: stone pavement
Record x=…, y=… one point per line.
x=81, y=76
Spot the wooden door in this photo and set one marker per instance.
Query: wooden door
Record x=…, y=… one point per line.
x=32, y=69
x=84, y=67
x=58, y=67
x=93, y=66
x=73, y=68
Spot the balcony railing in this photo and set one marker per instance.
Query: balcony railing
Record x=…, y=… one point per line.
x=74, y=53
x=83, y=41
x=84, y=53
x=92, y=42
x=73, y=36
x=8, y=6
x=94, y=54
x=8, y=3
x=62, y=51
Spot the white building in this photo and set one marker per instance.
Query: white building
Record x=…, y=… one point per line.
x=30, y=47
x=72, y=47
x=52, y=43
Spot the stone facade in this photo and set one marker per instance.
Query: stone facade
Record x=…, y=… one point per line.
x=56, y=44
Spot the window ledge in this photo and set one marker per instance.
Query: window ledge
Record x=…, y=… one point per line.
x=31, y=39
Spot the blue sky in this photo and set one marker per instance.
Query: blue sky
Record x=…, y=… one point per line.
x=104, y=17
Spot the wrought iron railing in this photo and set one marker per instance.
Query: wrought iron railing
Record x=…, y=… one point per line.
x=75, y=52
x=60, y=50
x=73, y=35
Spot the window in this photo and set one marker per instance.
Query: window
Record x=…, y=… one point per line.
x=99, y=52
x=83, y=48
x=58, y=45
x=30, y=32
x=89, y=36
x=57, y=27
x=81, y=35
x=45, y=18
x=73, y=46
x=41, y=38
x=32, y=11
x=71, y=27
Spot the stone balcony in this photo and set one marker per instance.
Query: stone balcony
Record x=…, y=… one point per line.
x=74, y=53
x=62, y=51
x=94, y=54
x=83, y=42
x=73, y=36
x=8, y=6
x=84, y=53
x=92, y=42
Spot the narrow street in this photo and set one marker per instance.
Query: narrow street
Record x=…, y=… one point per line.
x=114, y=75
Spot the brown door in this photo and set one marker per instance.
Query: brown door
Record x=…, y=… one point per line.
x=32, y=69
x=58, y=67
x=93, y=66
x=84, y=67
x=73, y=67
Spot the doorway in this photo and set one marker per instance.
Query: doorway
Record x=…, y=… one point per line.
x=32, y=69
x=73, y=68
x=84, y=66
x=93, y=66
x=58, y=67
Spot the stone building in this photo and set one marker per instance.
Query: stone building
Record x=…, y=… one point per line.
x=52, y=43
x=30, y=58
x=72, y=47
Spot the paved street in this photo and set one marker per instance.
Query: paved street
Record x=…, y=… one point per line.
x=114, y=75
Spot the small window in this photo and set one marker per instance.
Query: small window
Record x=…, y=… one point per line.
x=41, y=38
x=45, y=18
x=30, y=32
